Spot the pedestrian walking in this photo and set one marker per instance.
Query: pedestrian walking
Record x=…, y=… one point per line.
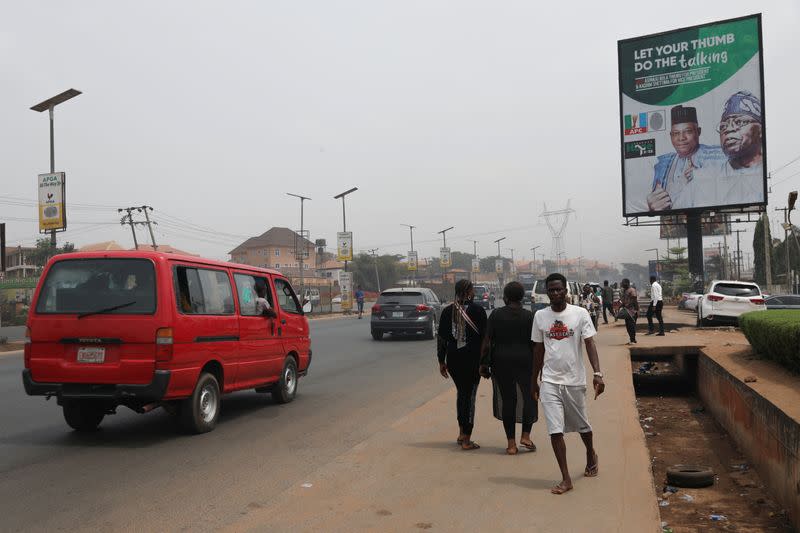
x=589, y=301
x=608, y=301
x=559, y=332
x=655, y=307
x=360, y=301
x=629, y=309
x=617, y=300
x=461, y=330
x=491, y=299
x=507, y=358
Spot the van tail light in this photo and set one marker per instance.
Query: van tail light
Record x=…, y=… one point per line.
x=27, y=348
x=376, y=309
x=715, y=298
x=485, y=295
x=164, y=344
x=757, y=301
x=423, y=308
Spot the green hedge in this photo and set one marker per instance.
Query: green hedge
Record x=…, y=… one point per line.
x=774, y=335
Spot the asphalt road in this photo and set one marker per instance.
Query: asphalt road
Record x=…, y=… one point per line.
x=138, y=472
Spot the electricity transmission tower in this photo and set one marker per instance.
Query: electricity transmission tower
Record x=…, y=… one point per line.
x=557, y=222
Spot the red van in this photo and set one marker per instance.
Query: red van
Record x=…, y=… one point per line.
x=150, y=329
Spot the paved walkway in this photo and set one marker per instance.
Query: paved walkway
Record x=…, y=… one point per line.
x=413, y=476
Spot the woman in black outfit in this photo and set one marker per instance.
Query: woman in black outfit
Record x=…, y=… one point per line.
x=508, y=352
x=461, y=329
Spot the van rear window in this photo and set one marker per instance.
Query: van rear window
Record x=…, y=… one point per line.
x=112, y=286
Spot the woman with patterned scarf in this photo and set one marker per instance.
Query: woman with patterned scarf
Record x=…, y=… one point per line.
x=461, y=330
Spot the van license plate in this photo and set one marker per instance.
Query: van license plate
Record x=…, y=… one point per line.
x=397, y=314
x=91, y=354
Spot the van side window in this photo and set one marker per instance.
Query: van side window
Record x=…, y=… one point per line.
x=203, y=292
x=246, y=289
x=286, y=298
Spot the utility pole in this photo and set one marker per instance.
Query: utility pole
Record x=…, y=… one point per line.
x=725, y=244
x=149, y=225
x=444, y=245
x=767, y=249
x=513, y=265
x=534, y=257
x=131, y=222
x=474, y=256
x=739, y=253
x=302, y=254
x=721, y=261
x=500, y=258
x=786, y=238
x=375, y=260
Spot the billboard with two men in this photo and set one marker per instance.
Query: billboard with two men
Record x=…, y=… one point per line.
x=692, y=119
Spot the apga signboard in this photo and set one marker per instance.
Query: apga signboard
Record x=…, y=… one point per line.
x=476, y=266
x=344, y=246
x=412, y=260
x=346, y=290
x=52, y=212
x=445, y=259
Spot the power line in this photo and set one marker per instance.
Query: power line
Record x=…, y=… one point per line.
x=786, y=165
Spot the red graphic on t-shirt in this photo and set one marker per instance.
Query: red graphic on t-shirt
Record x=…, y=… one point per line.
x=559, y=331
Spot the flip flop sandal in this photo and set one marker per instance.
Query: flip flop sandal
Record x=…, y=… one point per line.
x=531, y=446
x=471, y=446
x=591, y=470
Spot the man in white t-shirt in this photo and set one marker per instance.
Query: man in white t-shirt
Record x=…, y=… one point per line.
x=655, y=307
x=558, y=331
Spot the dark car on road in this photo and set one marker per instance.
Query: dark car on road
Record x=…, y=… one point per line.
x=482, y=296
x=783, y=301
x=406, y=311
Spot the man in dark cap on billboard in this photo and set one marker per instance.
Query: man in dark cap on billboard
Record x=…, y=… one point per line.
x=674, y=172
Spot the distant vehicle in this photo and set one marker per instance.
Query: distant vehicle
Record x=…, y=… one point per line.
x=783, y=301
x=150, y=329
x=336, y=300
x=527, y=281
x=541, y=300
x=527, y=299
x=482, y=296
x=726, y=300
x=691, y=300
x=405, y=311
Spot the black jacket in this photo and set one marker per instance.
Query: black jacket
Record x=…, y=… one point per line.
x=446, y=343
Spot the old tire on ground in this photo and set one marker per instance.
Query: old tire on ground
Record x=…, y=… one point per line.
x=286, y=388
x=83, y=415
x=377, y=335
x=690, y=476
x=430, y=333
x=200, y=411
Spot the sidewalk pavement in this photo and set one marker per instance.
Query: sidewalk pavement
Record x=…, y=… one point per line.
x=412, y=475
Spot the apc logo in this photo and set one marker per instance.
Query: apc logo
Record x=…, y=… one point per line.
x=636, y=124
x=643, y=148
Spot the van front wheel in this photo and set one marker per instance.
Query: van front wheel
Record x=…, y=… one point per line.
x=286, y=388
x=83, y=415
x=200, y=411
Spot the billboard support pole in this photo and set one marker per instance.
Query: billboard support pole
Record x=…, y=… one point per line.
x=694, y=234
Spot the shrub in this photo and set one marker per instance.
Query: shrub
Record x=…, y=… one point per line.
x=774, y=335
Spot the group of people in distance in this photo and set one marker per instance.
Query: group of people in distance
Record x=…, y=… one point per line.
x=529, y=358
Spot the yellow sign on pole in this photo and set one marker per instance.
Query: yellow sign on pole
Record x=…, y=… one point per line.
x=52, y=213
x=344, y=246
x=346, y=288
x=445, y=258
x=412, y=260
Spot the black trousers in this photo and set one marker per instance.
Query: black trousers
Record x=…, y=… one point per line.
x=630, y=325
x=610, y=308
x=511, y=380
x=651, y=310
x=466, y=378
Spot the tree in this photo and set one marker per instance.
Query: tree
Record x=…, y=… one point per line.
x=44, y=251
x=389, y=270
x=759, y=268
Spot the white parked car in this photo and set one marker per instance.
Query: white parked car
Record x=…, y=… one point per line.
x=725, y=301
x=691, y=300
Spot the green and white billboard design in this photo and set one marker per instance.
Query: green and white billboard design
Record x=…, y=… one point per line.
x=691, y=119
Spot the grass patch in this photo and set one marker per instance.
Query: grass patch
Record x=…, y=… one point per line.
x=774, y=335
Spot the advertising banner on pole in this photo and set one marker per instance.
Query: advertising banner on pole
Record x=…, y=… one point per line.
x=52, y=205
x=445, y=261
x=476, y=266
x=412, y=260
x=498, y=266
x=692, y=119
x=674, y=227
x=346, y=289
x=344, y=246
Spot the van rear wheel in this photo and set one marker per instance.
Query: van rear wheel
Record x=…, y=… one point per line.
x=286, y=388
x=83, y=415
x=199, y=412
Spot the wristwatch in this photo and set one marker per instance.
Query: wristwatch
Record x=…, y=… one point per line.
x=599, y=375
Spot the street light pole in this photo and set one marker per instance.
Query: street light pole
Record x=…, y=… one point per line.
x=413, y=272
x=499, y=258
x=375, y=259
x=303, y=244
x=444, y=245
x=49, y=105
x=344, y=213
x=513, y=266
x=534, y=257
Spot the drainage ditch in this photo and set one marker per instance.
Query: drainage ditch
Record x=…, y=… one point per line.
x=680, y=431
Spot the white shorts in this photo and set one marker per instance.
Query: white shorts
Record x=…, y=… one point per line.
x=564, y=408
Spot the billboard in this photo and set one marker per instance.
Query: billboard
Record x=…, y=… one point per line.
x=346, y=289
x=692, y=119
x=476, y=266
x=445, y=260
x=52, y=212
x=344, y=246
x=674, y=226
x=498, y=266
x=412, y=260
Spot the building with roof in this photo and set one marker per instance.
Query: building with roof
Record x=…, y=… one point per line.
x=19, y=262
x=277, y=248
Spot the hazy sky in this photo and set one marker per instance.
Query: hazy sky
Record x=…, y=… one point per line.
x=442, y=113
